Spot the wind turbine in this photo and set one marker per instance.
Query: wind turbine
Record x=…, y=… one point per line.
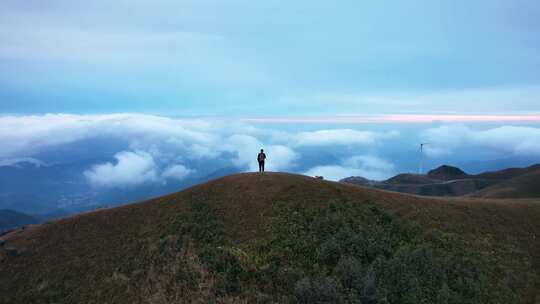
x=421, y=167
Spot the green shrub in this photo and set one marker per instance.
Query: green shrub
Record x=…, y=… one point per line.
x=317, y=291
x=343, y=253
x=187, y=275
x=351, y=274
x=365, y=254
x=208, y=232
x=330, y=252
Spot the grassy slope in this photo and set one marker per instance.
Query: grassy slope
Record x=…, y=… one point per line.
x=114, y=255
x=508, y=173
x=523, y=186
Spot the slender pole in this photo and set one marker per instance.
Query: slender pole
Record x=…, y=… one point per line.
x=421, y=167
x=421, y=159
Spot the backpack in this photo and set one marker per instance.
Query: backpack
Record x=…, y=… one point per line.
x=261, y=157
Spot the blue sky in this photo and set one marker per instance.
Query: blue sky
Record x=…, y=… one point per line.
x=270, y=58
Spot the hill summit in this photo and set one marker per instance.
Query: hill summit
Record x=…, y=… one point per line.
x=280, y=238
x=446, y=173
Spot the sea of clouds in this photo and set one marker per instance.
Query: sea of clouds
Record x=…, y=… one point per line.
x=157, y=148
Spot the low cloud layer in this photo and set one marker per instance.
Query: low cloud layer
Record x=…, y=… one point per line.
x=159, y=148
x=130, y=168
x=368, y=166
x=512, y=140
x=128, y=150
x=178, y=172
x=341, y=137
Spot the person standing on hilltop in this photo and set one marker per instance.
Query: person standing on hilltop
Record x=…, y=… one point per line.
x=261, y=158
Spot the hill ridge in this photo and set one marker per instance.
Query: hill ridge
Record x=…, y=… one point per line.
x=447, y=180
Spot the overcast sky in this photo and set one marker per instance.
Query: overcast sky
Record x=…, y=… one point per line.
x=270, y=58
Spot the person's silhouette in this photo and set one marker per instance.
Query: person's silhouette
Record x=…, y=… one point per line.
x=261, y=158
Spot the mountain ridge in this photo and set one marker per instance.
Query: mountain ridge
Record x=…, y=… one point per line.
x=522, y=186
x=451, y=181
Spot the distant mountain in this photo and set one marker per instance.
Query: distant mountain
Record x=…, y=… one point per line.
x=509, y=173
x=452, y=181
x=12, y=219
x=358, y=180
x=447, y=173
x=478, y=166
x=522, y=186
x=411, y=179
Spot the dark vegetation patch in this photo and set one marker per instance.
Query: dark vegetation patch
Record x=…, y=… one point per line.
x=340, y=253
x=208, y=232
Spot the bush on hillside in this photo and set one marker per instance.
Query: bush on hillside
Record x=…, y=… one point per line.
x=343, y=253
x=373, y=257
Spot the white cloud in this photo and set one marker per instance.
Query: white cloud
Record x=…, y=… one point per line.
x=134, y=168
x=169, y=142
x=369, y=163
x=435, y=150
x=28, y=134
x=130, y=169
x=280, y=158
x=158, y=148
x=340, y=137
x=178, y=172
x=368, y=166
x=201, y=138
x=246, y=147
x=518, y=140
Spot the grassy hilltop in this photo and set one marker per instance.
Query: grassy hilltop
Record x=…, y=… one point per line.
x=251, y=238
